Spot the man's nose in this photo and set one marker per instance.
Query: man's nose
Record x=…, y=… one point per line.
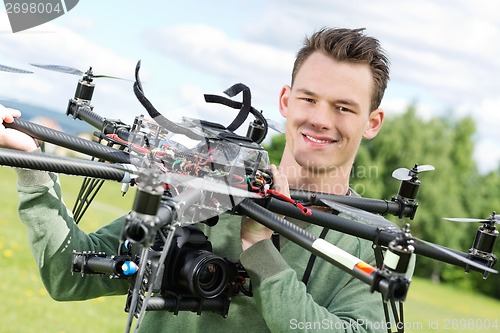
x=322, y=117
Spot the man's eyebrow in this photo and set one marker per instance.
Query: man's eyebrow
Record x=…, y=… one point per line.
x=348, y=102
x=344, y=101
x=306, y=92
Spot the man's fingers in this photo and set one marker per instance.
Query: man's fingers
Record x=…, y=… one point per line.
x=280, y=181
x=8, y=114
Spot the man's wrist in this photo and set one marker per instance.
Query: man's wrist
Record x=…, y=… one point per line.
x=262, y=260
x=252, y=232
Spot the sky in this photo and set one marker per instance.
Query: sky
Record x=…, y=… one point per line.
x=444, y=56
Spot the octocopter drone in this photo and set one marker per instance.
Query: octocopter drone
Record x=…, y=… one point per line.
x=193, y=171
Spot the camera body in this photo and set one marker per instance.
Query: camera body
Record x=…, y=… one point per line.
x=191, y=269
x=190, y=278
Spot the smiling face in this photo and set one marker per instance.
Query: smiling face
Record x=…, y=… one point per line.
x=328, y=113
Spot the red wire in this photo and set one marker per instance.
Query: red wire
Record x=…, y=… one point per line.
x=134, y=146
x=306, y=211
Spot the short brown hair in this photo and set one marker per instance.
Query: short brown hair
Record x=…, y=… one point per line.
x=349, y=45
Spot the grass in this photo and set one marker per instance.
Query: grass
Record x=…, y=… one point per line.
x=25, y=306
x=432, y=307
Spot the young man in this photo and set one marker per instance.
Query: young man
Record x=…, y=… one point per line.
x=338, y=81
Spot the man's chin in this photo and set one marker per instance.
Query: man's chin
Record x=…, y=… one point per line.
x=318, y=165
x=315, y=165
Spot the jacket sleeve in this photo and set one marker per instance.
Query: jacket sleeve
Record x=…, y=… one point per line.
x=286, y=304
x=53, y=236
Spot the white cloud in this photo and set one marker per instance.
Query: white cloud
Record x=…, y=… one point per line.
x=488, y=155
x=61, y=46
x=448, y=46
x=210, y=50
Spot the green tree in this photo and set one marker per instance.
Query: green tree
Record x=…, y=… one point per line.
x=454, y=189
x=275, y=148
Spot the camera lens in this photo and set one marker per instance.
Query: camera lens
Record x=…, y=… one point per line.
x=205, y=274
x=208, y=275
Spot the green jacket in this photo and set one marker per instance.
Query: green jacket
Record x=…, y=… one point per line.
x=332, y=300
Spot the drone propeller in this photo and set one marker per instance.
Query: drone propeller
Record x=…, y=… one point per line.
x=486, y=236
x=207, y=185
x=456, y=256
x=378, y=220
x=465, y=219
x=194, y=182
x=70, y=70
x=363, y=216
x=407, y=174
x=278, y=127
x=493, y=219
x=14, y=70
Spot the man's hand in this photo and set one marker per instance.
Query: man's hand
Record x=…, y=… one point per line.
x=11, y=138
x=252, y=231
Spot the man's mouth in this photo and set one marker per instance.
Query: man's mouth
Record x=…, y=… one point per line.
x=316, y=140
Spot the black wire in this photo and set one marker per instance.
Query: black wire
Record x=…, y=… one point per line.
x=157, y=116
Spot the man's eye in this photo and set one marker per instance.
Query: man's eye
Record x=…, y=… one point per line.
x=343, y=109
x=308, y=100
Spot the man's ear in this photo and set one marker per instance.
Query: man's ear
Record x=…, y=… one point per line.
x=374, y=124
x=284, y=95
